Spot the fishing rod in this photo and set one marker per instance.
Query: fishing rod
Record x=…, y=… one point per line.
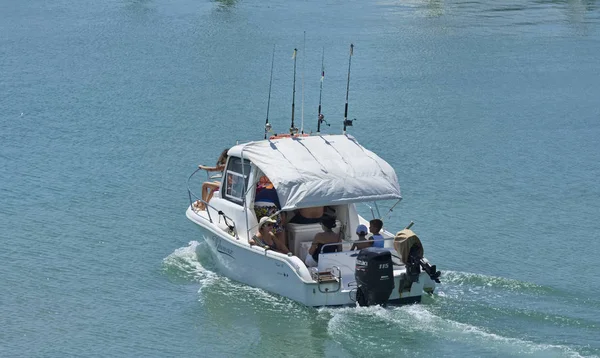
x=348, y=123
x=294, y=130
x=267, y=124
x=321, y=117
x=303, y=67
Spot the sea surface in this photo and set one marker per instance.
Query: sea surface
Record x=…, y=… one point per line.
x=489, y=111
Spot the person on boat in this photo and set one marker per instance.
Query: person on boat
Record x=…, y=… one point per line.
x=321, y=239
x=375, y=227
x=362, y=232
x=266, y=193
x=266, y=203
x=265, y=237
x=310, y=215
x=220, y=165
x=209, y=187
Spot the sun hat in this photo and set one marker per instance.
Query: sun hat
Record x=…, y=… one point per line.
x=264, y=220
x=362, y=229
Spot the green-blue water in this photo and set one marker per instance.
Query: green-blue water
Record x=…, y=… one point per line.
x=488, y=111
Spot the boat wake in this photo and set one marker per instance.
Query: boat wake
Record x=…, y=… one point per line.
x=483, y=314
x=194, y=263
x=183, y=265
x=457, y=278
x=404, y=329
x=466, y=286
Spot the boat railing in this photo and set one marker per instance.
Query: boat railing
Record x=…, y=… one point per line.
x=369, y=241
x=194, y=199
x=375, y=210
x=335, y=275
x=352, y=242
x=339, y=244
x=192, y=196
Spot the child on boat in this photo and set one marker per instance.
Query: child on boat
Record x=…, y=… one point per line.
x=375, y=226
x=362, y=232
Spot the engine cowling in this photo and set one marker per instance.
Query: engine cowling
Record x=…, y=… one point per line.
x=374, y=276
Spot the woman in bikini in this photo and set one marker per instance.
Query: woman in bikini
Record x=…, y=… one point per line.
x=321, y=239
x=209, y=187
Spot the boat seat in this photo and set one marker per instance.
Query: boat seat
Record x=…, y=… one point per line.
x=300, y=233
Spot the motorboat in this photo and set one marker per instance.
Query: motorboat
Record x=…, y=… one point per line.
x=328, y=174
x=307, y=171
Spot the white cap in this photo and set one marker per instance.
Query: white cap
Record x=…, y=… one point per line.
x=264, y=220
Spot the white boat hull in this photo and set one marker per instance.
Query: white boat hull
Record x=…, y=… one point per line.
x=287, y=275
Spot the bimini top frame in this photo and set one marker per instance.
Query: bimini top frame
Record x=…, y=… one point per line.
x=321, y=170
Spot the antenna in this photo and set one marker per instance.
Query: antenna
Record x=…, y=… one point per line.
x=267, y=124
x=294, y=130
x=348, y=123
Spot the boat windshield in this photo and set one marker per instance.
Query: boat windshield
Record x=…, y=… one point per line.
x=236, y=181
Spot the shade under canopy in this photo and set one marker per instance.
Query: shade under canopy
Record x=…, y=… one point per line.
x=321, y=170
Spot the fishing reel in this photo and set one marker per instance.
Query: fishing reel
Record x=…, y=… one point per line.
x=293, y=131
x=322, y=120
x=348, y=122
x=267, y=128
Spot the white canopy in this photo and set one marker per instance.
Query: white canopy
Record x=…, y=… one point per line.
x=321, y=170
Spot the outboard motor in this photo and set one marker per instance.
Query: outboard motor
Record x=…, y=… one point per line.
x=374, y=276
x=413, y=269
x=431, y=270
x=410, y=249
x=413, y=266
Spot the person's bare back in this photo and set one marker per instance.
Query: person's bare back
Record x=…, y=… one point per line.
x=315, y=212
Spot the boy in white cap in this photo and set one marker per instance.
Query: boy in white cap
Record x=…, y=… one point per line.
x=361, y=231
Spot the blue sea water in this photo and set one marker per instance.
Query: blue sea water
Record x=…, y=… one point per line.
x=488, y=111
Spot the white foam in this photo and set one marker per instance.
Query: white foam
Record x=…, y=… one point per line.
x=411, y=318
x=417, y=318
x=475, y=279
x=184, y=261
